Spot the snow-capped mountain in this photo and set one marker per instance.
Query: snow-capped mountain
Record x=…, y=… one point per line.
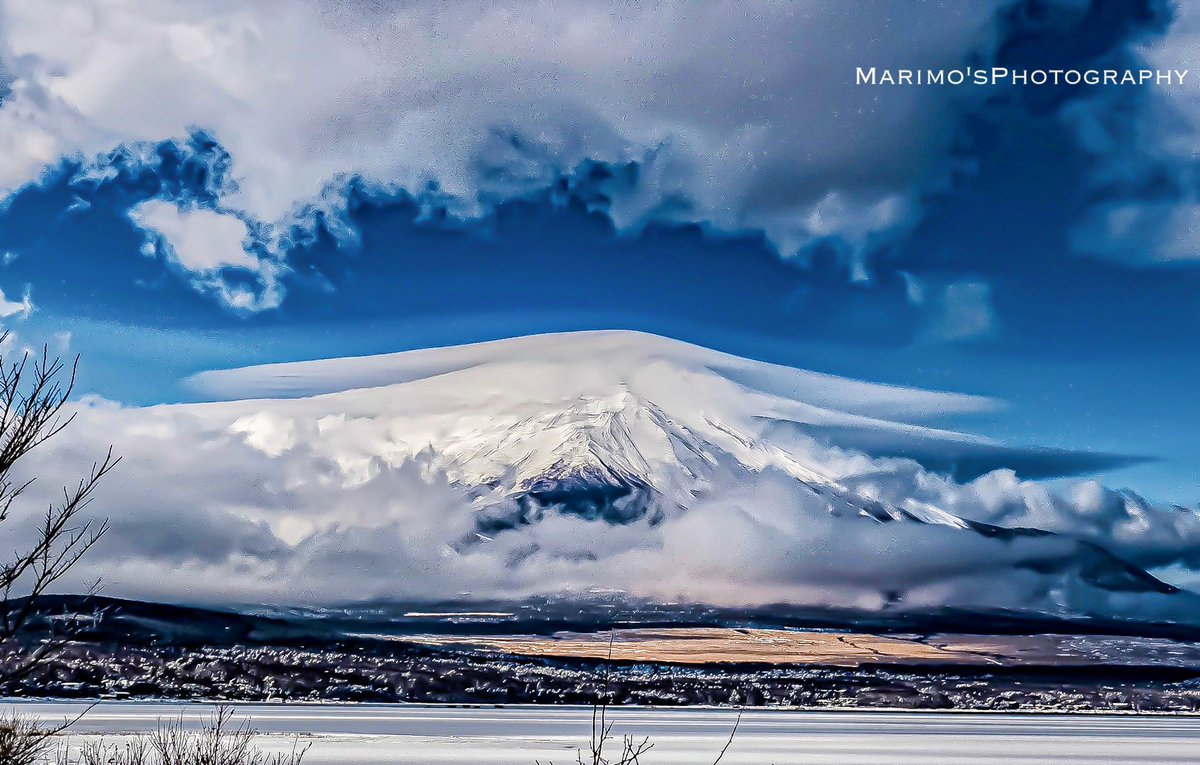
x=619, y=460
x=611, y=426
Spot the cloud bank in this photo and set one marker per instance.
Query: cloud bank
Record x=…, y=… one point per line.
x=740, y=117
x=379, y=492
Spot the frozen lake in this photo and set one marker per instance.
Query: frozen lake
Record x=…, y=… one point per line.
x=434, y=735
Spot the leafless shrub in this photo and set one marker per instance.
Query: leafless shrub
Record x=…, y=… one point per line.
x=631, y=749
x=134, y=752
x=26, y=741
x=218, y=742
x=23, y=741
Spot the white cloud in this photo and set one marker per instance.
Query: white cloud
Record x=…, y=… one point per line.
x=203, y=243
x=963, y=311
x=742, y=116
x=14, y=308
x=1146, y=171
x=201, y=240
x=1147, y=232
x=199, y=512
x=952, y=311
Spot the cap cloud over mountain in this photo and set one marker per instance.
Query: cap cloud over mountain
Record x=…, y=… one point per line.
x=564, y=463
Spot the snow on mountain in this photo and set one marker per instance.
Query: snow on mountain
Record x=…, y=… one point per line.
x=562, y=463
x=542, y=372
x=608, y=425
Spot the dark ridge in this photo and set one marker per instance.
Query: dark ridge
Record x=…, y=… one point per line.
x=249, y=625
x=115, y=620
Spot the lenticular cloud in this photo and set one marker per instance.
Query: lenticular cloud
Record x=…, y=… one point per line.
x=563, y=463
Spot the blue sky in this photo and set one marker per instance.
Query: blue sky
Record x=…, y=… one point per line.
x=960, y=241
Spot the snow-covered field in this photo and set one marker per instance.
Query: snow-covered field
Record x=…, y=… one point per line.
x=425, y=735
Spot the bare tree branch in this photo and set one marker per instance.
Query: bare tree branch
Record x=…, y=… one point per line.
x=33, y=394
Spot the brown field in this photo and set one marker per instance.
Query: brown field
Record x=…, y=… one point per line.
x=710, y=645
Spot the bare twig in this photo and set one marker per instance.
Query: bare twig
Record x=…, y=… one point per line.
x=33, y=394
x=729, y=743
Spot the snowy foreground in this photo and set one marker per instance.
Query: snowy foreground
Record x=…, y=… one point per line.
x=430, y=735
